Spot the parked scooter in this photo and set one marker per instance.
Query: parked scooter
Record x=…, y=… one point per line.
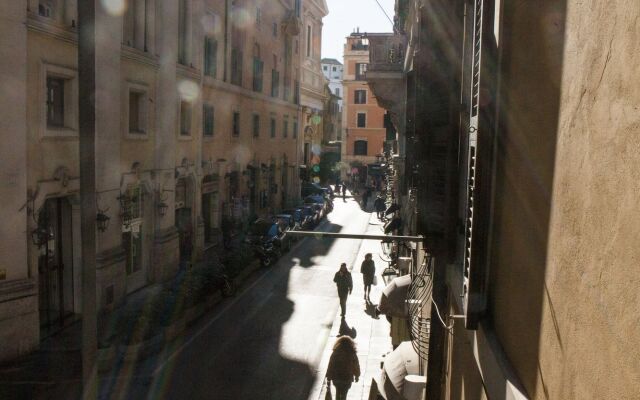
x=268, y=252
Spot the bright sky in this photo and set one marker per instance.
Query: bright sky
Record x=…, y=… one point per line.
x=346, y=15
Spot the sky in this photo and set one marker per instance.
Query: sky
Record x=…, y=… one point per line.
x=347, y=15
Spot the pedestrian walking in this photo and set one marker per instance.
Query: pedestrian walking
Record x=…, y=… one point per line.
x=344, y=192
x=365, y=197
x=344, y=282
x=368, y=270
x=344, y=367
x=380, y=206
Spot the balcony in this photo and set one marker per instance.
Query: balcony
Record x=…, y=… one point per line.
x=385, y=73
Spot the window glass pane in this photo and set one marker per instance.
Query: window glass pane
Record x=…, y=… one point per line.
x=362, y=120
x=55, y=102
x=273, y=127
x=256, y=125
x=236, y=124
x=207, y=120
x=185, y=118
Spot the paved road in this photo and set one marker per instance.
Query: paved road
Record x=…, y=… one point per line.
x=267, y=342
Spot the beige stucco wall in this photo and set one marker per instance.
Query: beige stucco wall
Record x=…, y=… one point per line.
x=564, y=274
x=18, y=300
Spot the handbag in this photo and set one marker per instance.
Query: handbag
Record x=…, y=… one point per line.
x=328, y=395
x=375, y=280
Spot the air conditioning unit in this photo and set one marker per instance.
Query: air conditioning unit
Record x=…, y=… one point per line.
x=404, y=264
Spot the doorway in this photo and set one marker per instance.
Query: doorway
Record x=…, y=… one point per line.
x=55, y=265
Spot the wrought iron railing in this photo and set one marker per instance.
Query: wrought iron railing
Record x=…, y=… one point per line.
x=419, y=305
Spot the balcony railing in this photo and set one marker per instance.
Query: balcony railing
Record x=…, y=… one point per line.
x=387, y=52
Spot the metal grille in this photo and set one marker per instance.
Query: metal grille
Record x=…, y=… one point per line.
x=471, y=183
x=477, y=53
x=419, y=305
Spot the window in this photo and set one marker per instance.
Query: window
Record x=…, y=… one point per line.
x=236, y=67
x=183, y=19
x=275, y=83
x=324, y=68
x=258, y=67
x=134, y=25
x=296, y=92
x=258, y=17
x=132, y=236
x=46, y=8
x=361, y=70
x=360, y=148
x=334, y=69
x=337, y=91
x=210, y=56
x=185, y=118
x=208, y=118
x=295, y=129
x=360, y=97
x=285, y=127
x=362, y=120
x=236, y=124
x=137, y=112
x=308, y=40
x=307, y=152
x=55, y=102
x=273, y=128
x=256, y=125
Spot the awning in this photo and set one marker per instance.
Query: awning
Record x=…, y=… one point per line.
x=401, y=363
x=394, y=296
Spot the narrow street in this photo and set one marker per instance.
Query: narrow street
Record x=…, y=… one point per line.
x=268, y=341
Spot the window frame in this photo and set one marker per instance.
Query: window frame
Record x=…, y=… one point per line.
x=210, y=57
x=272, y=127
x=208, y=110
x=236, y=123
x=70, y=77
x=357, y=99
x=185, y=119
x=357, y=145
x=255, y=125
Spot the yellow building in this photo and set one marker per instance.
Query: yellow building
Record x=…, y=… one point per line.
x=197, y=117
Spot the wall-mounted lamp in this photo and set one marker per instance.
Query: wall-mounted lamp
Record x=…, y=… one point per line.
x=162, y=208
x=40, y=236
x=102, y=221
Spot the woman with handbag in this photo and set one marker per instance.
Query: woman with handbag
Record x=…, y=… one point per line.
x=344, y=367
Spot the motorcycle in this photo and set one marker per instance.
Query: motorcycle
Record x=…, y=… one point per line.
x=267, y=252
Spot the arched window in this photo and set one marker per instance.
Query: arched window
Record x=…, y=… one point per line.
x=360, y=148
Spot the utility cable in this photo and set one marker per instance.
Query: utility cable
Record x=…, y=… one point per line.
x=386, y=15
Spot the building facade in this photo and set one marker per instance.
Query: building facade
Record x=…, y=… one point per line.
x=333, y=70
x=515, y=136
x=198, y=119
x=363, y=118
x=312, y=96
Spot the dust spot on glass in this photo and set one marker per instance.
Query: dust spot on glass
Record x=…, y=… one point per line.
x=114, y=7
x=188, y=90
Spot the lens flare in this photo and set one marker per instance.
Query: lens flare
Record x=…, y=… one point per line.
x=114, y=7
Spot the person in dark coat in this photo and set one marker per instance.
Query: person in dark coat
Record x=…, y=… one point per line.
x=344, y=283
x=380, y=206
x=368, y=270
x=344, y=366
x=344, y=192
